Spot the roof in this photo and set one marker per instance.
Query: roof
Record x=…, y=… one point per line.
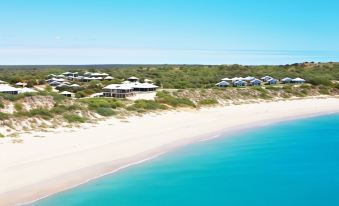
x=222, y=83
x=286, y=79
x=27, y=90
x=226, y=79
x=118, y=86
x=142, y=85
x=3, y=82
x=133, y=78
x=298, y=80
x=7, y=88
x=109, y=77
x=66, y=92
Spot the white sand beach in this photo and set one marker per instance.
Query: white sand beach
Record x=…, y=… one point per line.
x=49, y=162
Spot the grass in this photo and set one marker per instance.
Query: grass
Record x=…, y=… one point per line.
x=104, y=111
x=3, y=116
x=94, y=103
x=145, y=105
x=166, y=98
x=18, y=107
x=74, y=118
x=208, y=102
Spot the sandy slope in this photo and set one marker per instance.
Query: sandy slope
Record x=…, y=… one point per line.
x=50, y=162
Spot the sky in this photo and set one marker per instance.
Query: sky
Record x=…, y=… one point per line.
x=168, y=31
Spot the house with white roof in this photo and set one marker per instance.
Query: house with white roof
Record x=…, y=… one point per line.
x=4, y=88
x=118, y=90
x=298, y=80
x=222, y=84
x=67, y=94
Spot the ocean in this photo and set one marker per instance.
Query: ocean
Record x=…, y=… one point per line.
x=283, y=164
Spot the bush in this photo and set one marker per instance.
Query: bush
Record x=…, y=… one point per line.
x=18, y=107
x=2, y=136
x=3, y=116
x=73, y=118
x=320, y=81
x=2, y=105
x=94, y=103
x=104, y=111
x=324, y=90
x=41, y=112
x=166, y=98
x=208, y=102
x=140, y=105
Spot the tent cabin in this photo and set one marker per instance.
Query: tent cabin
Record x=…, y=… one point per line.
x=133, y=79
x=266, y=78
x=239, y=83
x=4, y=88
x=255, y=82
x=118, y=90
x=272, y=81
x=67, y=94
x=249, y=79
x=298, y=81
x=222, y=84
x=286, y=80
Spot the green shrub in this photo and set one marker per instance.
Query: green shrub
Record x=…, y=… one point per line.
x=2, y=136
x=94, y=103
x=40, y=112
x=324, y=90
x=146, y=105
x=2, y=105
x=208, y=102
x=320, y=81
x=166, y=98
x=104, y=111
x=73, y=118
x=18, y=107
x=3, y=116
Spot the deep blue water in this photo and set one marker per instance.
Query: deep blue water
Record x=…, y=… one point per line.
x=287, y=164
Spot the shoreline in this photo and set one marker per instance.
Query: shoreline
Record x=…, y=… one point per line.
x=134, y=149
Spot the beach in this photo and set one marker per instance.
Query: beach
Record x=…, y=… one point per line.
x=50, y=162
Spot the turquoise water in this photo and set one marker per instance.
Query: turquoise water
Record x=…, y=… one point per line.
x=287, y=164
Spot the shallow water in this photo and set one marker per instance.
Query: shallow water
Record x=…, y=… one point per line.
x=292, y=163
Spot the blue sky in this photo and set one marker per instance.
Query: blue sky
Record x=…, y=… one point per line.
x=168, y=31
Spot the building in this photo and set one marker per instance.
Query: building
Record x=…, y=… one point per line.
x=255, y=82
x=67, y=94
x=143, y=87
x=286, y=80
x=4, y=88
x=298, y=81
x=222, y=84
x=272, y=81
x=26, y=90
x=239, y=83
x=70, y=74
x=118, y=90
x=133, y=79
x=266, y=78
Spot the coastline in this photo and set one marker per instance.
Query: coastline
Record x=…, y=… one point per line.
x=66, y=160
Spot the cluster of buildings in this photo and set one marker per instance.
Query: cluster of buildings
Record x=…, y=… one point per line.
x=130, y=87
x=64, y=78
x=8, y=89
x=252, y=81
